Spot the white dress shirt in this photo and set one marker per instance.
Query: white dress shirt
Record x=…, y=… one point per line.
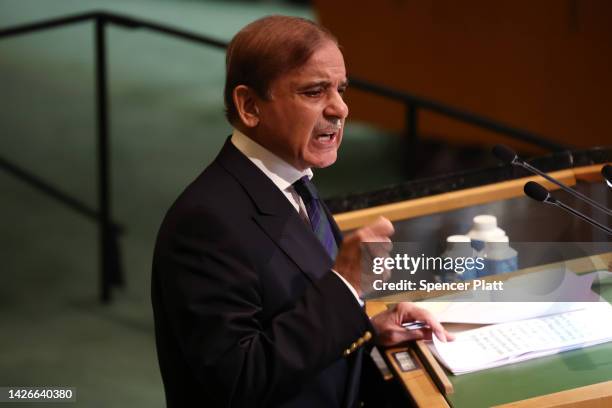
x=282, y=174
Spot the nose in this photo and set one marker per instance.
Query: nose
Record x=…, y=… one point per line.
x=336, y=108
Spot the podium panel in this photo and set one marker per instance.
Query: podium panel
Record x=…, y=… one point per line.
x=575, y=378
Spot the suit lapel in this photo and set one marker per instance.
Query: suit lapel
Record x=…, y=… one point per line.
x=299, y=243
x=276, y=216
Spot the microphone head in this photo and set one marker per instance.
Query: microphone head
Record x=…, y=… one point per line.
x=504, y=153
x=538, y=192
x=606, y=172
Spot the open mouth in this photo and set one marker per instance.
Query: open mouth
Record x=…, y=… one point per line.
x=327, y=137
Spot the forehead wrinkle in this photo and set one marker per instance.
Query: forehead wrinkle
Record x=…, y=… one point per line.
x=325, y=83
x=314, y=83
x=321, y=70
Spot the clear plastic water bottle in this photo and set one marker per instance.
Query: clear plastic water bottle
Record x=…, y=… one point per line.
x=491, y=243
x=499, y=257
x=484, y=230
x=459, y=246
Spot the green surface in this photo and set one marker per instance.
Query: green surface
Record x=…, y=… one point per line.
x=535, y=377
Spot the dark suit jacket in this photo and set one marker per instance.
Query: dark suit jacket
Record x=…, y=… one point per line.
x=247, y=311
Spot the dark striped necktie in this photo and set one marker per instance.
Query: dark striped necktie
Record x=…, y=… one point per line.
x=318, y=217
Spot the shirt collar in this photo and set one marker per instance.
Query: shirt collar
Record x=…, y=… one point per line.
x=282, y=174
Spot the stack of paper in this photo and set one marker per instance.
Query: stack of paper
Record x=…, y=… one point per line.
x=497, y=312
x=511, y=342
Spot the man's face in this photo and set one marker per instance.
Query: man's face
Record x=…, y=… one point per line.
x=303, y=119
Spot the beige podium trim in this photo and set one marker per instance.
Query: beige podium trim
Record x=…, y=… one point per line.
x=418, y=383
x=589, y=173
x=458, y=199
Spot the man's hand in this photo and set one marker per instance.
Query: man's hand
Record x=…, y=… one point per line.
x=390, y=330
x=350, y=254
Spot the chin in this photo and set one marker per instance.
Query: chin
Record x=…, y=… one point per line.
x=325, y=161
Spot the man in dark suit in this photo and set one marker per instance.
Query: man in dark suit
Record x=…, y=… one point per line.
x=256, y=296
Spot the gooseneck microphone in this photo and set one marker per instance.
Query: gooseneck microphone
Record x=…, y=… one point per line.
x=540, y=193
x=606, y=172
x=504, y=153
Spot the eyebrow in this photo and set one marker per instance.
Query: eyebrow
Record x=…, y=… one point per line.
x=323, y=84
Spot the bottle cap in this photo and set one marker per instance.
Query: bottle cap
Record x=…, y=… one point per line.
x=485, y=222
x=457, y=238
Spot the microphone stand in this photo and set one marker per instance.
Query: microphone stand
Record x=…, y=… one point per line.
x=581, y=216
x=564, y=187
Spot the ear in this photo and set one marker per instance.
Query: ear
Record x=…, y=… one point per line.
x=245, y=101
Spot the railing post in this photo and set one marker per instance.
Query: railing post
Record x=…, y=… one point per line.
x=412, y=138
x=412, y=125
x=109, y=251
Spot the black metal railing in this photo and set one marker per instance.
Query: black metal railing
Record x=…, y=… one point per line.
x=110, y=266
x=414, y=103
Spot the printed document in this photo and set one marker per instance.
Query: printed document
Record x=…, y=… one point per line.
x=507, y=343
